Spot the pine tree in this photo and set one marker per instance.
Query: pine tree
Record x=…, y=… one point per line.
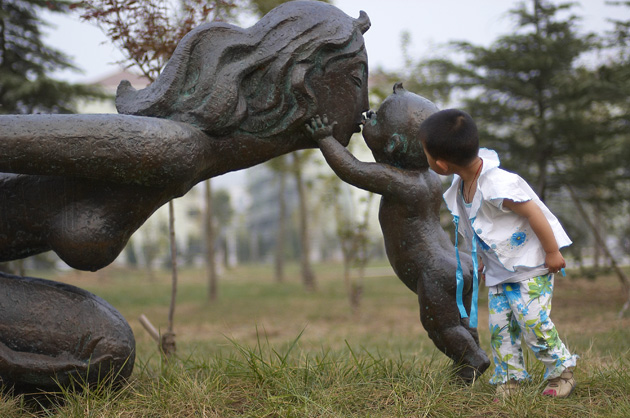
x=26, y=61
x=524, y=108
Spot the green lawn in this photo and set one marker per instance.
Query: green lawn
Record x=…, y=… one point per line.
x=266, y=349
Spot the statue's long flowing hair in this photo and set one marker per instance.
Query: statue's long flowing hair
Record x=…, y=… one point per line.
x=223, y=79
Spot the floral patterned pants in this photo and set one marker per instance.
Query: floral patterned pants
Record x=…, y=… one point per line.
x=521, y=311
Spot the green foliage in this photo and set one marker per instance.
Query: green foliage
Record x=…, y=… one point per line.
x=531, y=100
x=26, y=61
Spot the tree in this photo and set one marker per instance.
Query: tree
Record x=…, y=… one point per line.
x=616, y=73
x=148, y=31
x=217, y=218
x=300, y=159
x=281, y=170
x=26, y=62
x=353, y=234
x=524, y=90
x=213, y=276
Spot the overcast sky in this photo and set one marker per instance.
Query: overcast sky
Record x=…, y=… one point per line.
x=429, y=22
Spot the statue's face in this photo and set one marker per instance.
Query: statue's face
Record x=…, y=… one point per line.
x=396, y=124
x=342, y=95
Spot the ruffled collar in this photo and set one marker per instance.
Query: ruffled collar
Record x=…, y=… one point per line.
x=490, y=161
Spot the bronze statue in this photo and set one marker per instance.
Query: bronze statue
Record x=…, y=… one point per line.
x=55, y=334
x=419, y=250
x=229, y=98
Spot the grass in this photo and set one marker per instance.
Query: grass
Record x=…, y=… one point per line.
x=267, y=349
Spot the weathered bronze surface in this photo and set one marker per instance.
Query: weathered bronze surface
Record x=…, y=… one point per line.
x=420, y=252
x=231, y=98
x=80, y=185
x=52, y=333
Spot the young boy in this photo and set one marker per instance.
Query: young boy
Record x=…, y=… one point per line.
x=519, y=241
x=417, y=247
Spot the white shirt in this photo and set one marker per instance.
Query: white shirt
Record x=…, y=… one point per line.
x=494, y=271
x=502, y=233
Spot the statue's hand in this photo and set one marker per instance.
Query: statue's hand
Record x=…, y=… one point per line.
x=319, y=128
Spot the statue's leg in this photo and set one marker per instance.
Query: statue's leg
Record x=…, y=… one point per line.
x=440, y=317
x=52, y=334
x=467, y=296
x=121, y=149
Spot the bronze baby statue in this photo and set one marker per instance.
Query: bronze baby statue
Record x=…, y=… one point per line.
x=418, y=249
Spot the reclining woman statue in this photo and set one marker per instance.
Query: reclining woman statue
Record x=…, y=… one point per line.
x=228, y=99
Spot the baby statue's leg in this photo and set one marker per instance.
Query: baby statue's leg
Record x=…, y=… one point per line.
x=465, y=321
x=440, y=317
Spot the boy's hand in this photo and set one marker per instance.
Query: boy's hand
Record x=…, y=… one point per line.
x=554, y=261
x=480, y=270
x=319, y=128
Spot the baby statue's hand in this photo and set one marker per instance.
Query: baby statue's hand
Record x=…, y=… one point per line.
x=319, y=128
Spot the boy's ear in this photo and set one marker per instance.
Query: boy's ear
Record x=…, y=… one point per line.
x=442, y=165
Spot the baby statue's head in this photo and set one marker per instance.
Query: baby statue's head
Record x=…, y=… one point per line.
x=392, y=133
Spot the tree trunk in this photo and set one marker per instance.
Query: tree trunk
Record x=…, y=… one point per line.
x=210, y=248
x=281, y=234
x=602, y=244
x=308, y=277
x=167, y=342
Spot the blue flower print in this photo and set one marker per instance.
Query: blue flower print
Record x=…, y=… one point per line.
x=512, y=291
x=518, y=238
x=498, y=304
x=500, y=374
x=524, y=310
x=544, y=316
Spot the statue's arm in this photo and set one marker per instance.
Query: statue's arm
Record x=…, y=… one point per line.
x=373, y=177
x=118, y=148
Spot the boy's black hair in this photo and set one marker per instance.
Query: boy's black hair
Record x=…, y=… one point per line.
x=451, y=135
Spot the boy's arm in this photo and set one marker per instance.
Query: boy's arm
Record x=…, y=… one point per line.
x=373, y=177
x=554, y=260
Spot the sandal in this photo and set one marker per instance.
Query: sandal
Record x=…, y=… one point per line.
x=561, y=386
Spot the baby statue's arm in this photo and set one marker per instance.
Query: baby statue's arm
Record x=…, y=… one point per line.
x=373, y=177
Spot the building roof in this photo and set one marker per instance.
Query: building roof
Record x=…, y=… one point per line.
x=112, y=81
